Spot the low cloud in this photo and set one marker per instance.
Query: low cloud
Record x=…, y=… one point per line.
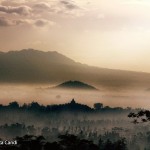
x=38, y=22
x=42, y=5
x=35, y=13
x=69, y=5
x=5, y=22
x=13, y=22
x=40, y=9
x=43, y=23
x=21, y=10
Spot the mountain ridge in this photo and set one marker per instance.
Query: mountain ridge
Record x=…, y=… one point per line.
x=50, y=52
x=35, y=66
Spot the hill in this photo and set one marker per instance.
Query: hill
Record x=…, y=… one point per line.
x=75, y=85
x=34, y=66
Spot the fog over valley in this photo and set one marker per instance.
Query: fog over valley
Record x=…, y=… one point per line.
x=45, y=95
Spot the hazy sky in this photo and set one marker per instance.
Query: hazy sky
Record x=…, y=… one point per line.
x=105, y=33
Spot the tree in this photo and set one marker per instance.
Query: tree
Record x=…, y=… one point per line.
x=98, y=106
x=13, y=105
x=141, y=116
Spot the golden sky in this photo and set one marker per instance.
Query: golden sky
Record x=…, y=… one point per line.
x=104, y=33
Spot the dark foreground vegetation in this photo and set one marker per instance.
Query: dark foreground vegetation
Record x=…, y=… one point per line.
x=66, y=142
x=72, y=106
x=140, y=116
x=73, y=126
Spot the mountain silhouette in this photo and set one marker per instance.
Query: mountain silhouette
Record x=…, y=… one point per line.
x=75, y=85
x=34, y=66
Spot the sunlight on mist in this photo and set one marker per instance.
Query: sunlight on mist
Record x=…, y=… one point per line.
x=28, y=93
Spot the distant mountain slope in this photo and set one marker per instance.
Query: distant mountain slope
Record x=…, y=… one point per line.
x=75, y=85
x=33, y=66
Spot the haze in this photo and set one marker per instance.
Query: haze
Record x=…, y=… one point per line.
x=135, y=98
x=109, y=34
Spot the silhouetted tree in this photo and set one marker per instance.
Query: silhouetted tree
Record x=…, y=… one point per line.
x=141, y=116
x=98, y=106
x=13, y=105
